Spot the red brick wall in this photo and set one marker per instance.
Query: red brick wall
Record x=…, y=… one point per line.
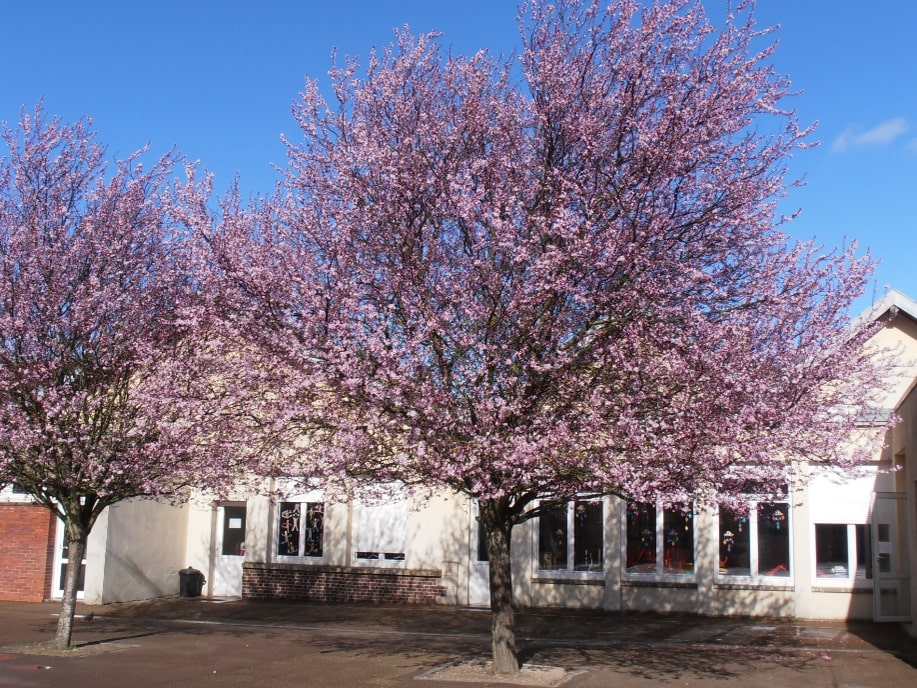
x=340, y=584
x=26, y=552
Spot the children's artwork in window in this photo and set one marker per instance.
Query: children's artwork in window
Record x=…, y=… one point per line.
x=588, y=535
x=315, y=528
x=641, y=537
x=773, y=540
x=571, y=537
x=734, y=544
x=678, y=549
x=298, y=536
x=660, y=541
x=288, y=535
x=756, y=542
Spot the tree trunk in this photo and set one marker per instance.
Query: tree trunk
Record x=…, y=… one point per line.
x=75, y=552
x=503, y=635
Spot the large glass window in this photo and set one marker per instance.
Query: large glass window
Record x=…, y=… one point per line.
x=773, y=540
x=735, y=544
x=641, y=538
x=678, y=546
x=757, y=542
x=571, y=537
x=298, y=536
x=843, y=552
x=660, y=540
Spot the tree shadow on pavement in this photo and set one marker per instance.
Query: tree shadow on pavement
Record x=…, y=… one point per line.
x=670, y=663
x=657, y=648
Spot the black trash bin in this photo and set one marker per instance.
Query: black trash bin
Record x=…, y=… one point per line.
x=190, y=582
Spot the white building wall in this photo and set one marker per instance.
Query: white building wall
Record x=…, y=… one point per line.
x=438, y=533
x=96, y=554
x=902, y=455
x=145, y=548
x=200, y=536
x=257, y=538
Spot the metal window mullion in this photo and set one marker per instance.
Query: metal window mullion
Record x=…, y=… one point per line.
x=851, y=551
x=753, y=539
x=303, y=510
x=571, y=563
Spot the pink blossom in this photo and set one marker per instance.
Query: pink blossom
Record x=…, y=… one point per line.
x=553, y=275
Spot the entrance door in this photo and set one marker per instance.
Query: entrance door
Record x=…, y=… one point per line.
x=229, y=551
x=891, y=584
x=479, y=572
x=61, y=557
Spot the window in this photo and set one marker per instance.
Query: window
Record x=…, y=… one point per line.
x=380, y=525
x=298, y=537
x=14, y=493
x=843, y=552
x=841, y=508
x=233, y=536
x=660, y=540
x=571, y=537
x=756, y=543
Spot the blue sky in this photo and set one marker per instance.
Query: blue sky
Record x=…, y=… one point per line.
x=216, y=80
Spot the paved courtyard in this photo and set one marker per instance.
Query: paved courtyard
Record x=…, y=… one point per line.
x=195, y=642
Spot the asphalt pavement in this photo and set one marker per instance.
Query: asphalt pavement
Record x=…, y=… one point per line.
x=197, y=642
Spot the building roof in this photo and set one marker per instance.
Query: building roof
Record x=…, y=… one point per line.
x=892, y=302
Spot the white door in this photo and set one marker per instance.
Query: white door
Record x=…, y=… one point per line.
x=229, y=551
x=891, y=576
x=61, y=554
x=479, y=571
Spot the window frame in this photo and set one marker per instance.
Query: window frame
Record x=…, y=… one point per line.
x=754, y=575
x=303, y=499
x=571, y=571
x=384, y=500
x=305, y=509
x=10, y=495
x=851, y=580
x=659, y=539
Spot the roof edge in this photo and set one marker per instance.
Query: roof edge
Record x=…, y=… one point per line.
x=892, y=300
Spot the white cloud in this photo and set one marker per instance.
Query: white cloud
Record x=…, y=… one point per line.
x=880, y=135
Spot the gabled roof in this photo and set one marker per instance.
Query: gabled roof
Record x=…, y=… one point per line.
x=892, y=302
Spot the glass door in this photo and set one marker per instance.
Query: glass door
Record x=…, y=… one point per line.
x=61, y=558
x=479, y=570
x=229, y=550
x=891, y=585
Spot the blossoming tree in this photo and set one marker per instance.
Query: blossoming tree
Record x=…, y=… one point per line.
x=554, y=275
x=96, y=276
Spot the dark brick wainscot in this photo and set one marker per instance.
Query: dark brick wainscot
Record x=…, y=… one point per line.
x=341, y=583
